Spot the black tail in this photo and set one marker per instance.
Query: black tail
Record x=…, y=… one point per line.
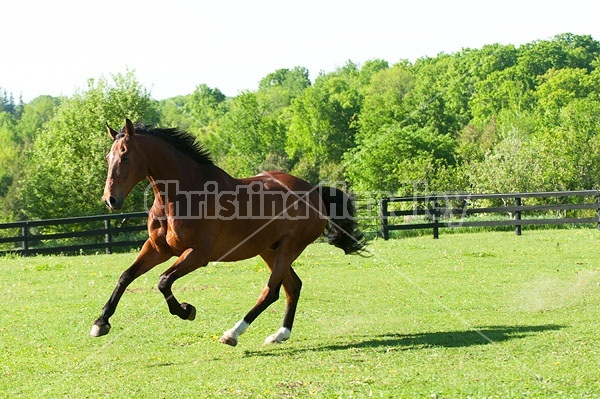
x=342, y=227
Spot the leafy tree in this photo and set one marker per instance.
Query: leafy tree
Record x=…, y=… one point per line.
x=570, y=150
x=560, y=87
x=7, y=104
x=564, y=51
x=401, y=156
x=384, y=101
x=204, y=107
x=369, y=69
x=534, y=155
x=35, y=114
x=172, y=113
x=474, y=142
x=9, y=151
x=501, y=90
x=442, y=89
x=197, y=113
x=293, y=81
x=251, y=134
x=66, y=166
x=489, y=59
x=323, y=125
x=512, y=166
x=249, y=138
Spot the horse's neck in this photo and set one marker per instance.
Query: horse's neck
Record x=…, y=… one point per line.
x=173, y=172
x=194, y=178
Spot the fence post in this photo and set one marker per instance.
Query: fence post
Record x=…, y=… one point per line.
x=25, y=242
x=518, y=216
x=384, y=217
x=436, y=219
x=598, y=208
x=107, y=235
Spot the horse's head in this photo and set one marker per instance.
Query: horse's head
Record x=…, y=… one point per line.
x=126, y=166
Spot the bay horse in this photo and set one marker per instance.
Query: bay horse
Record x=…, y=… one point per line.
x=201, y=214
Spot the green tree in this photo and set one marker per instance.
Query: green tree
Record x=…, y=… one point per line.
x=249, y=138
x=197, y=113
x=9, y=152
x=473, y=142
x=250, y=135
x=204, y=107
x=293, y=81
x=442, y=89
x=369, y=69
x=35, y=114
x=533, y=155
x=66, y=166
x=570, y=149
x=384, y=101
x=172, y=113
x=7, y=103
x=513, y=165
x=560, y=87
x=563, y=51
x=323, y=125
x=402, y=156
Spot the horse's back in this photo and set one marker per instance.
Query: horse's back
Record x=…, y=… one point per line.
x=279, y=181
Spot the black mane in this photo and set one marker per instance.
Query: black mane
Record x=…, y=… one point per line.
x=182, y=141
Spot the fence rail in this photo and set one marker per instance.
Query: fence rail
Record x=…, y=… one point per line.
x=106, y=232
x=109, y=232
x=453, y=210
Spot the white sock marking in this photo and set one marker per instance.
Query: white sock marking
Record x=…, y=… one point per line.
x=283, y=334
x=237, y=330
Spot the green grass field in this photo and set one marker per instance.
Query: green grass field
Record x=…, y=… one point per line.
x=480, y=315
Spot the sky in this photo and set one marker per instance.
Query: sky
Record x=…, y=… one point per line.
x=55, y=47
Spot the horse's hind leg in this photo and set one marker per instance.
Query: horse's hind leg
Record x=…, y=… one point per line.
x=269, y=294
x=281, y=274
x=292, y=286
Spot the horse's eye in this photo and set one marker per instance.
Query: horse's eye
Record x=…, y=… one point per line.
x=124, y=157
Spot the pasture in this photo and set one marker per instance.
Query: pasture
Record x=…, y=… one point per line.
x=481, y=315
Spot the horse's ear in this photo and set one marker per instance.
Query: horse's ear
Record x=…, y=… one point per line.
x=129, y=128
x=111, y=132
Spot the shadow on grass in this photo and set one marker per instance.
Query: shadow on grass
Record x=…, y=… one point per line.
x=446, y=339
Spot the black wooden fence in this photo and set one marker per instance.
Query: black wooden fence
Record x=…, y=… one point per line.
x=458, y=210
x=73, y=235
x=118, y=231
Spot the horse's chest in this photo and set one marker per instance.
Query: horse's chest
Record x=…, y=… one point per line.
x=180, y=236
x=175, y=237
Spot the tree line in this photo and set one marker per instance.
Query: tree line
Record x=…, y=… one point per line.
x=495, y=119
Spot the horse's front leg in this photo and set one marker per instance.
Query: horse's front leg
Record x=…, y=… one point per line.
x=146, y=260
x=187, y=262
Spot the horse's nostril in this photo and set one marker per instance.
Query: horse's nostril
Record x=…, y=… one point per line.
x=111, y=202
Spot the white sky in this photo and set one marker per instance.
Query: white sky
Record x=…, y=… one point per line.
x=54, y=47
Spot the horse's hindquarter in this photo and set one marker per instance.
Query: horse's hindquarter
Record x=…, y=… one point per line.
x=265, y=209
x=285, y=204
x=277, y=195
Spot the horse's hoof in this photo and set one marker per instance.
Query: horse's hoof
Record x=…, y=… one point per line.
x=283, y=334
x=190, y=310
x=99, y=330
x=228, y=340
x=272, y=339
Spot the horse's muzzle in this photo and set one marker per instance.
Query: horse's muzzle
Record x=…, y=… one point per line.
x=113, y=203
